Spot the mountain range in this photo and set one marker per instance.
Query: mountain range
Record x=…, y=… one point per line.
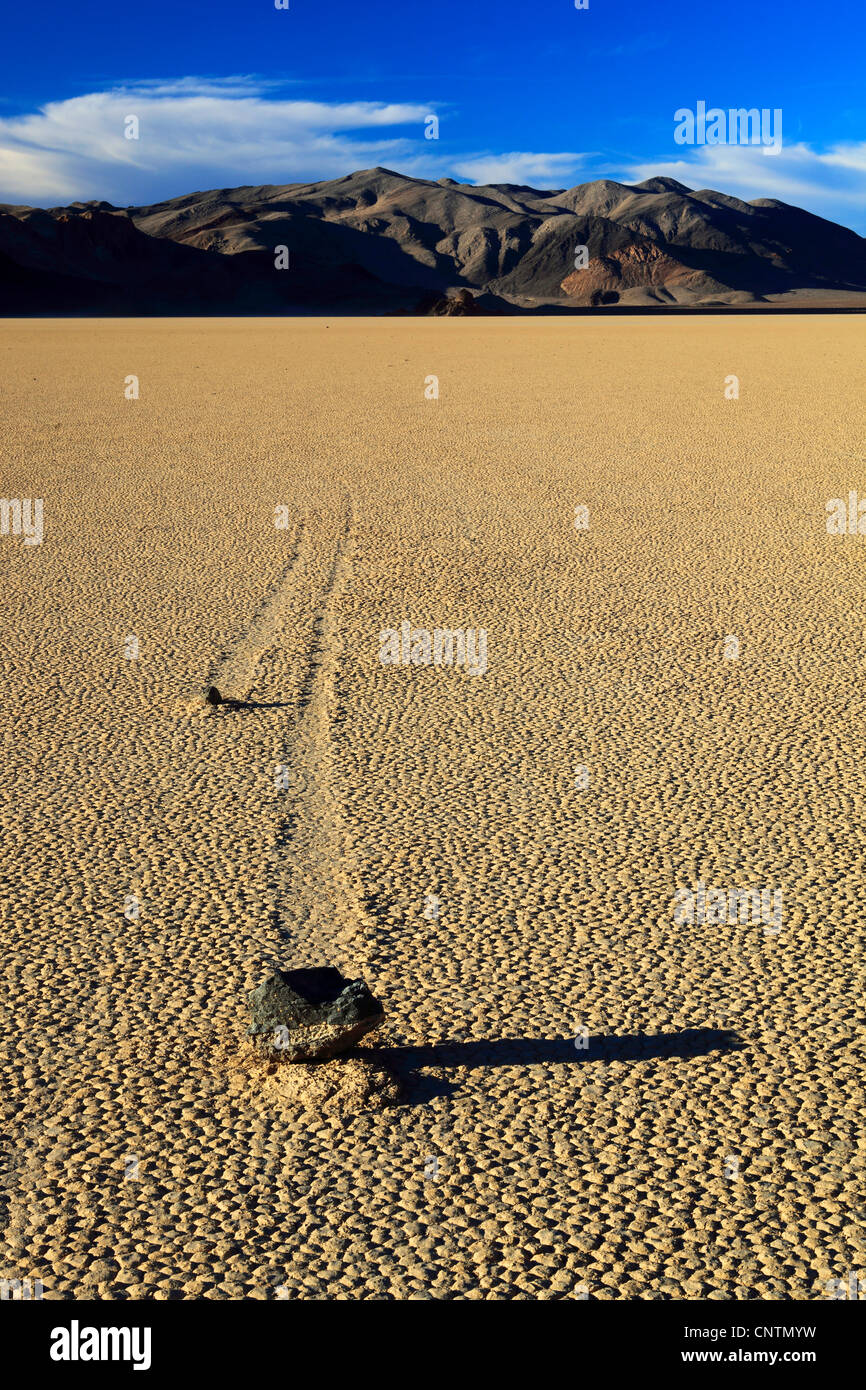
x=381, y=242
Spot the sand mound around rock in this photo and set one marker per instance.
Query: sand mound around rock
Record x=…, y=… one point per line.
x=340, y=1085
x=343, y=1085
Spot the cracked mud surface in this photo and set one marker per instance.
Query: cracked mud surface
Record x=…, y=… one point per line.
x=422, y=827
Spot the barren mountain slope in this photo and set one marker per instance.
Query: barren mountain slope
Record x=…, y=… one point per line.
x=378, y=241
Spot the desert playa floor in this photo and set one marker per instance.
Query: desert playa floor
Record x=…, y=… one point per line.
x=596, y=1100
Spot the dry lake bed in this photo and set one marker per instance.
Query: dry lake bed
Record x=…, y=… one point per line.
x=546, y=718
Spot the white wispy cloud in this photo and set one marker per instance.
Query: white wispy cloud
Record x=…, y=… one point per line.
x=195, y=133
x=831, y=183
x=239, y=85
x=521, y=166
x=205, y=132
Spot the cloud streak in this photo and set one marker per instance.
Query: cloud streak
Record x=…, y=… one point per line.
x=195, y=133
x=539, y=170
x=831, y=184
x=218, y=132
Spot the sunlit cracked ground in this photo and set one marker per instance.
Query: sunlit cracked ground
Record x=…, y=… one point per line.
x=598, y=1101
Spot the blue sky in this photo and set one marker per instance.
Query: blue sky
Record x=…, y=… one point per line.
x=539, y=93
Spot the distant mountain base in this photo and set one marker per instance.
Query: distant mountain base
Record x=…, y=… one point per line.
x=378, y=242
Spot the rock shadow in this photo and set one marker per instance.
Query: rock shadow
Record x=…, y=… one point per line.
x=603, y=1047
x=231, y=706
x=406, y=1062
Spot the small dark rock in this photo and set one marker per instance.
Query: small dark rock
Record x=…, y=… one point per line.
x=463, y=302
x=299, y=1015
x=212, y=696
